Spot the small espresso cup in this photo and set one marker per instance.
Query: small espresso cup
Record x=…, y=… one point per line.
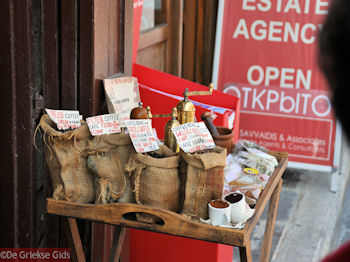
x=239, y=207
x=219, y=212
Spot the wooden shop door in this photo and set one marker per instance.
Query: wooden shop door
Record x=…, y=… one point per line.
x=160, y=42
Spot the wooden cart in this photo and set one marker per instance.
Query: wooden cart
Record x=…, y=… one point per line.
x=122, y=215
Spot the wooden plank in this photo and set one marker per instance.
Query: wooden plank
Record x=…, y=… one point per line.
x=174, y=223
x=169, y=17
x=153, y=56
x=153, y=37
x=270, y=223
x=120, y=245
x=117, y=246
x=76, y=239
x=17, y=157
x=102, y=52
x=189, y=40
x=101, y=249
x=7, y=101
x=246, y=252
x=265, y=196
x=107, y=46
x=126, y=36
x=87, y=102
x=199, y=40
x=51, y=90
x=175, y=21
x=206, y=28
x=51, y=69
x=24, y=177
x=65, y=228
x=69, y=54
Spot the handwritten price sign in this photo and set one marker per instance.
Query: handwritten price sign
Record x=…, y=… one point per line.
x=193, y=137
x=103, y=124
x=141, y=135
x=65, y=119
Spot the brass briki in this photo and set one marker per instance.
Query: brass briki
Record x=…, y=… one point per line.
x=169, y=138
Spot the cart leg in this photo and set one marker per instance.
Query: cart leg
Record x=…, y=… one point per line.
x=76, y=239
x=245, y=252
x=117, y=245
x=270, y=223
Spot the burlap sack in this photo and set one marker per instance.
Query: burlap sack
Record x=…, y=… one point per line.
x=65, y=157
x=107, y=158
x=202, y=180
x=156, y=180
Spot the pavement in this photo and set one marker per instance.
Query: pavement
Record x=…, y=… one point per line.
x=311, y=221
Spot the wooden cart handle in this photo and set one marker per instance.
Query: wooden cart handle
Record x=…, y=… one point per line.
x=174, y=223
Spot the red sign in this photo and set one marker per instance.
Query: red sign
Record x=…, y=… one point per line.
x=268, y=58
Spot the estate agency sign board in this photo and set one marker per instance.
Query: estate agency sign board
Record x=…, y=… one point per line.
x=266, y=54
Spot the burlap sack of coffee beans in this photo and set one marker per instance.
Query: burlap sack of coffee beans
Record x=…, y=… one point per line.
x=156, y=180
x=65, y=156
x=107, y=158
x=202, y=176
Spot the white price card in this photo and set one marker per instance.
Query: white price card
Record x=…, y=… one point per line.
x=193, y=137
x=142, y=135
x=122, y=95
x=103, y=124
x=65, y=119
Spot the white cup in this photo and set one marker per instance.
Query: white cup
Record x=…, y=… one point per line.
x=219, y=212
x=240, y=211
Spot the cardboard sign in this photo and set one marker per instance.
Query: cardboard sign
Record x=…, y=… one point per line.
x=65, y=119
x=122, y=95
x=266, y=54
x=142, y=135
x=193, y=137
x=103, y=124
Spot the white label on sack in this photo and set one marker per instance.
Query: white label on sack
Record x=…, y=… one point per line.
x=122, y=95
x=193, y=137
x=65, y=119
x=103, y=124
x=141, y=134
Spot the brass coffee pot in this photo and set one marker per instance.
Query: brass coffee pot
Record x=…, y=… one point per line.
x=186, y=109
x=169, y=138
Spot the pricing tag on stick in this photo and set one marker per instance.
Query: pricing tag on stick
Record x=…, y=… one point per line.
x=104, y=124
x=65, y=119
x=142, y=135
x=193, y=137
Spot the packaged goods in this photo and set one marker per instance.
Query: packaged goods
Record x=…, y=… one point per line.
x=202, y=180
x=263, y=165
x=107, y=157
x=244, y=144
x=250, y=168
x=156, y=180
x=65, y=157
x=233, y=170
